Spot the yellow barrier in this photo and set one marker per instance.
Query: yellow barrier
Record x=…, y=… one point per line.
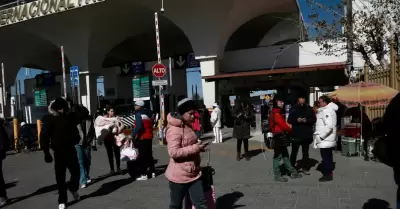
x=39, y=130
x=15, y=124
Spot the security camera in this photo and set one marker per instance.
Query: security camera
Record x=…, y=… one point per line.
x=162, y=10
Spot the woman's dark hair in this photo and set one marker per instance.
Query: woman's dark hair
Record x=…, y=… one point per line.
x=108, y=108
x=59, y=104
x=325, y=98
x=275, y=101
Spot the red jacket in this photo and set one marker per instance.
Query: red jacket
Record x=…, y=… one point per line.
x=196, y=122
x=144, y=130
x=277, y=122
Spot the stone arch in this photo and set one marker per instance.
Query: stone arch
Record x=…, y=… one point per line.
x=250, y=34
x=245, y=14
x=135, y=21
x=26, y=49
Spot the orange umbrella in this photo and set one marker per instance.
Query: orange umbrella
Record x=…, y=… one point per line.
x=364, y=93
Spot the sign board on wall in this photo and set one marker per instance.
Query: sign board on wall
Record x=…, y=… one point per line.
x=40, y=98
x=141, y=88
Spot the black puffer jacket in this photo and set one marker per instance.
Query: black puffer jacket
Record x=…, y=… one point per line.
x=242, y=121
x=60, y=130
x=302, y=132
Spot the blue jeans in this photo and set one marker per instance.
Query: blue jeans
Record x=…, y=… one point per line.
x=397, y=180
x=84, y=159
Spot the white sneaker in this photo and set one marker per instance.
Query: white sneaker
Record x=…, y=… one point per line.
x=142, y=178
x=83, y=186
x=214, y=142
x=89, y=181
x=153, y=175
x=76, y=196
x=61, y=206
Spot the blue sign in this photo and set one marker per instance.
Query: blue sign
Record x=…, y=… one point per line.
x=192, y=62
x=138, y=67
x=74, y=74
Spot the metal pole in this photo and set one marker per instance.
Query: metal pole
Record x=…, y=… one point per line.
x=159, y=61
x=79, y=89
x=192, y=91
x=63, y=71
x=349, y=36
x=197, y=97
x=19, y=96
x=4, y=85
x=170, y=71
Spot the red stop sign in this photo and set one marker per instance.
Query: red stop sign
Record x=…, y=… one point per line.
x=159, y=70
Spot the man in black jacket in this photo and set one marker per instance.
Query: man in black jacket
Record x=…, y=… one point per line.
x=61, y=132
x=302, y=118
x=3, y=150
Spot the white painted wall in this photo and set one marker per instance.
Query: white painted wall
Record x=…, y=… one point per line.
x=291, y=55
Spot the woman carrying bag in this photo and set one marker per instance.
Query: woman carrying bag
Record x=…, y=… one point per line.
x=281, y=140
x=183, y=171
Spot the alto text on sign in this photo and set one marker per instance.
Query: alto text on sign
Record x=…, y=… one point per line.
x=159, y=70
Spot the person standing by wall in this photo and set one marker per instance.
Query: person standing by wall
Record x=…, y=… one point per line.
x=3, y=150
x=142, y=135
x=61, y=133
x=241, y=129
x=325, y=135
x=302, y=118
x=216, y=123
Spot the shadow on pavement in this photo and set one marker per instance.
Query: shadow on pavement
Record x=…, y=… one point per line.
x=227, y=201
x=11, y=184
x=40, y=191
x=109, y=187
x=306, y=164
x=376, y=204
x=255, y=152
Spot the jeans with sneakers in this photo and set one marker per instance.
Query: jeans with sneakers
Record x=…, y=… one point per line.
x=84, y=157
x=63, y=160
x=281, y=153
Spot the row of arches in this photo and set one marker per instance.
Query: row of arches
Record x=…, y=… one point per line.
x=111, y=32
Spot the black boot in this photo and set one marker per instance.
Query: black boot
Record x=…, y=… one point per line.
x=238, y=156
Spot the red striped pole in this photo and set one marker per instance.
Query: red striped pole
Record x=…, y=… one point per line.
x=162, y=107
x=63, y=71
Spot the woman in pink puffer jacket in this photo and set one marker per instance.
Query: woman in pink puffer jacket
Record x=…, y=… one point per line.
x=183, y=171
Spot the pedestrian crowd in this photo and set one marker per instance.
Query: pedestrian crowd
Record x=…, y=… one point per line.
x=72, y=133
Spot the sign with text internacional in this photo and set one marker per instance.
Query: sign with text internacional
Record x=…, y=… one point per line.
x=40, y=8
x=141, y=88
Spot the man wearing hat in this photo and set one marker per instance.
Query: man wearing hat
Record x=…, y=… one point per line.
x=143, y=137
x=302, y=118
x=216, y=123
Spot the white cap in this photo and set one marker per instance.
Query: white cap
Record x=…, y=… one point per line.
x=23, y=123
x=215, y=105
x=139, y=103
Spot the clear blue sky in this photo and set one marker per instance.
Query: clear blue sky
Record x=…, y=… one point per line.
x=193, y=75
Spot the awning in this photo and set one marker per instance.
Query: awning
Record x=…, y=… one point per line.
x=301, y=69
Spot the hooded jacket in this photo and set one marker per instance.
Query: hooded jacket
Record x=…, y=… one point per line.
x=60, y=130
x=325, y=127
x=216, y=116
x=184, y=163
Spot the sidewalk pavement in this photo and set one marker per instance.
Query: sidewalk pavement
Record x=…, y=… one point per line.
x=357, y=184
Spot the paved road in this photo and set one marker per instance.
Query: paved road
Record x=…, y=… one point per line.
x=357, y=184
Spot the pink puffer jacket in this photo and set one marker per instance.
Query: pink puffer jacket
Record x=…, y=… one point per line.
x=184, y=163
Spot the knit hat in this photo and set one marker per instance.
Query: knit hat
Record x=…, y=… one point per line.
x=185, y=105
x=139, y=103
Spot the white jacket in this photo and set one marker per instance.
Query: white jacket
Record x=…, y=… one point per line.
x=216, y=117
x=325, y=127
